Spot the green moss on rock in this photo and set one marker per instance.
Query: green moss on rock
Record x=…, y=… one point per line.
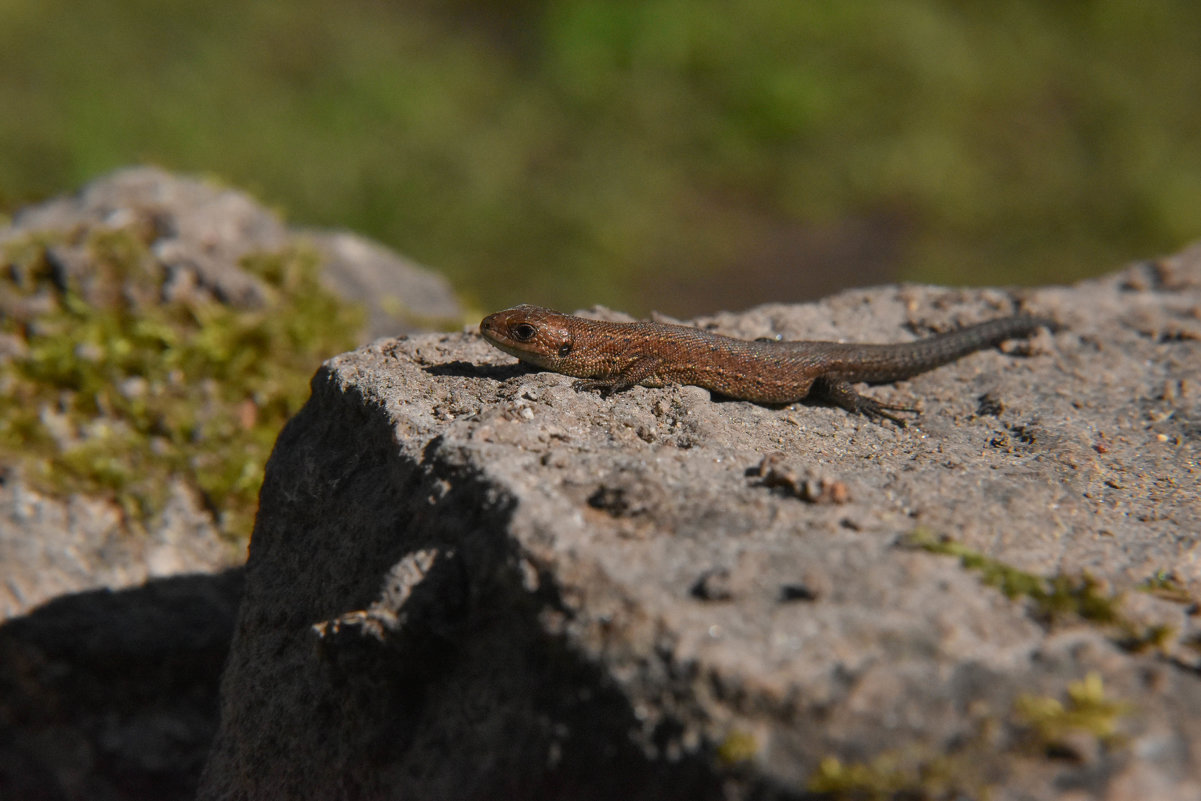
x=888, y=776
x=1055, y=598
x=109, y=389
x=1087, y=710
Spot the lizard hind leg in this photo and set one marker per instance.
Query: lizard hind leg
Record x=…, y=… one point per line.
x=843, y=395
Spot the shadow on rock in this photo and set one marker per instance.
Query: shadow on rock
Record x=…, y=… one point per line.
x=113, y=695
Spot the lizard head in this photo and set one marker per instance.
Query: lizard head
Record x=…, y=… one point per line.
x=531, y=333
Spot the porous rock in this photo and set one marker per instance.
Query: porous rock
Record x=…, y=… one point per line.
x=201, y=230
x=113, y=634
x=198, y=231
x=468, y=580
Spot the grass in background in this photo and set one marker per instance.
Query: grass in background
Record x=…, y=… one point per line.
x=623, y=152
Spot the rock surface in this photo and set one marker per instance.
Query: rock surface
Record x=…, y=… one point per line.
x=113, y=639
x=202, y=230
x=51, y=546
x=469, y=581
x=112, y=694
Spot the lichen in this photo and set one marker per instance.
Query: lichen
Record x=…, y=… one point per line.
x=124, y=393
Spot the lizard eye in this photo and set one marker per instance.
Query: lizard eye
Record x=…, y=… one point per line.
x=523, y=332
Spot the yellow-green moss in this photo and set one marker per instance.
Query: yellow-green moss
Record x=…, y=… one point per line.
x=981, y=757
x=1165, y=585
x=1054, y=598
x=1138, y=637
x=120, y=394
x=888, y=776
x=1087, y=710
x=738, y=746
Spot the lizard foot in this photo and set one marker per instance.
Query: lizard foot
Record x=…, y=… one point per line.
x=843, y=395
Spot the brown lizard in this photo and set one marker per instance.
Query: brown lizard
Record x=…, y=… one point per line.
x=615, y=356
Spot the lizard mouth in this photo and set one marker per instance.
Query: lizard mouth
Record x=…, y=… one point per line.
x=492, y=331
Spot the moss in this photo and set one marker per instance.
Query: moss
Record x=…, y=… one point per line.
x=739, y=746
x=123, y=393
x=1087, y=710
x=1054, y=598
x=1138, y=638
x=1165, y=585
x=888, y=776
x=981, y=758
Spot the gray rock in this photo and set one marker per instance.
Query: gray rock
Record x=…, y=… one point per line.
x=198, y=233
x=197, y=228
x=470, y=581
x=400, y=296
x=114, y=630
x=51, y=546
x=201, y=230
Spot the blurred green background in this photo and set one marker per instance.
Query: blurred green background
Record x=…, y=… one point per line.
x=684, y=156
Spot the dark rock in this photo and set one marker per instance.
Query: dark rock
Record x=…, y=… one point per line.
x=112, y=695
x=468, y=580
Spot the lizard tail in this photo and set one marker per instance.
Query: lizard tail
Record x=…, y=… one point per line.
x=879, y=363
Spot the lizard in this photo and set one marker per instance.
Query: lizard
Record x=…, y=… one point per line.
x=611, y=357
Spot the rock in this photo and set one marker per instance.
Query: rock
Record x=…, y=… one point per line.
x=52, y=546
x=112, y=694
x=400, y=297
x=115, y=629
x=468, y=580
x=201, y=231
x=197, y=234
x=195, y=227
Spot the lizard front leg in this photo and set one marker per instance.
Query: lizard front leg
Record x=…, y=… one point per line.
x=635, y=372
